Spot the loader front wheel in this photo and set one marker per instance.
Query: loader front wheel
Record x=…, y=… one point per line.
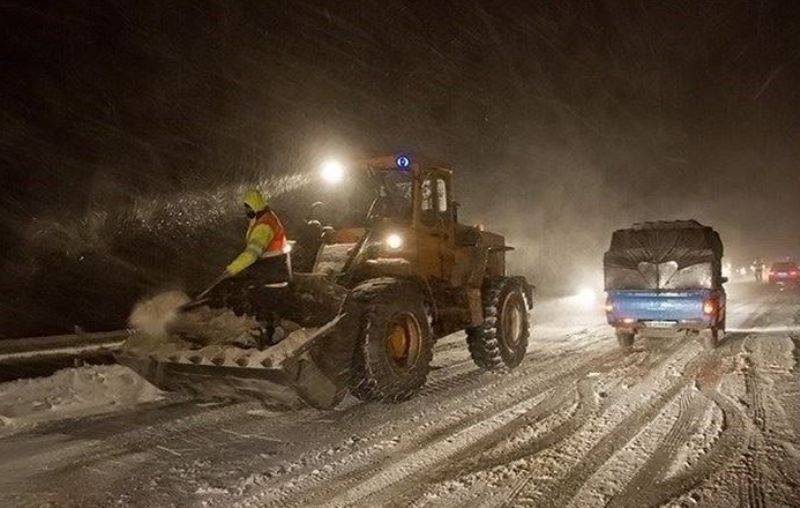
x=395, y=344
x=500, y=342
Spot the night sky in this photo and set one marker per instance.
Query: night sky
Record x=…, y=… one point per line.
x=128, y=128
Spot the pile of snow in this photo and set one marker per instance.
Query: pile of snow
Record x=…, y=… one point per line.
x=333, y=257
x=158, y=317
x=216, y=326
x=71, y=392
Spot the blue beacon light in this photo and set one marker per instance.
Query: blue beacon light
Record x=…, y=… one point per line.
x=403, y=162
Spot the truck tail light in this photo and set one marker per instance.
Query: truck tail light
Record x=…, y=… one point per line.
x=709, y=307
x=609, y=305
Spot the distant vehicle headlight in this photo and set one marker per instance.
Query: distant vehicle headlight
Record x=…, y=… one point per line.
x=586, y=297
x=394, y=241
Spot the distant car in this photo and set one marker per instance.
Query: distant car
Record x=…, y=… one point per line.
x=784, y=273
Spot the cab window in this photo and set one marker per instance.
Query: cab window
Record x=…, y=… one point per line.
x=435, y=203
x=428, y=196
x=441, y=195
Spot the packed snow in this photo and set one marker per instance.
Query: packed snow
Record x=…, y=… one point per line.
x=578, y=423
x=70, y=393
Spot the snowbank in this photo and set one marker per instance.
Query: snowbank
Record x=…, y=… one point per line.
x=69, y=393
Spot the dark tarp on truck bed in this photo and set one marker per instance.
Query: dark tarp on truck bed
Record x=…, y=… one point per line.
x=664, y=255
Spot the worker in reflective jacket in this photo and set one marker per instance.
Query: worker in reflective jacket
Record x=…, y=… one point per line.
x=265, y=234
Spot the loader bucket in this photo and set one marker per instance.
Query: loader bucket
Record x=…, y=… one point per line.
x=284, y=375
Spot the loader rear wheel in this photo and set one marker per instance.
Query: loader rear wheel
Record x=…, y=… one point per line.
x=394, y=348
x=501, y=341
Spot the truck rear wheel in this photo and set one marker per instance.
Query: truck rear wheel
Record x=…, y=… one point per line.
x=501, y=341
x=711, y=337
x=625, y=340
x=394, y=348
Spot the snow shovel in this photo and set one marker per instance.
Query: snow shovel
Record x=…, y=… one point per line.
x=201, y=299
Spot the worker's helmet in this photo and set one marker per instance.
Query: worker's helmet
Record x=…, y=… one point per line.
x=254, y=202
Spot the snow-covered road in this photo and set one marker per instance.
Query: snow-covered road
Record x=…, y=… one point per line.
x=577, y=424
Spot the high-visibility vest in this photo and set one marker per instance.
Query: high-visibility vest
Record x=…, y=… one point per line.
x=278, y=242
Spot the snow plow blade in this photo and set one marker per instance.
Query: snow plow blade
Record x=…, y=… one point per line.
x=284, y=375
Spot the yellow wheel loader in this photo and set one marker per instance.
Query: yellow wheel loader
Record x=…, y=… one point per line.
x=366, y=317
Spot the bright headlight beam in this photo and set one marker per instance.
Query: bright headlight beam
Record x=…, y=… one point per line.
x=586, y=296
x=394, y=241
x=332, y=171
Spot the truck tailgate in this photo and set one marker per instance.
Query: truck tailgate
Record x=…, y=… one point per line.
x=658, y=305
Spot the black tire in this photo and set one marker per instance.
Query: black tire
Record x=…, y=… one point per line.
x=711, y=338
x=500, y=342
x=394, y=346
x=625, y=340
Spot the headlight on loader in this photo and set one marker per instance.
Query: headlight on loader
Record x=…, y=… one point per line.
x=394, y=241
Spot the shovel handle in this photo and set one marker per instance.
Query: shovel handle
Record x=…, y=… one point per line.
x=201, y=298
x=212, y=286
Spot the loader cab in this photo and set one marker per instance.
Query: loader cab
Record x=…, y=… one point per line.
x=434, y=221
x=412, y=217
x=394, y=201
x=435, y=205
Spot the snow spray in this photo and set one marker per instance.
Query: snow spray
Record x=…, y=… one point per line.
x=153, y=315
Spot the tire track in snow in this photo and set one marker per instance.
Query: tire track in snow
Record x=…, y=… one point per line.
x=727, y=446
x=765, y=443
x=365, y=472
x=472, y=386
x=583, y=411
x=691, y=411
x=403, y=493
x=587, y=405
x=751, y=492
x=655, y=359
x=396, y=491
x=753, y=390
x=438, y=393
x=621, y=434
x=518, y=379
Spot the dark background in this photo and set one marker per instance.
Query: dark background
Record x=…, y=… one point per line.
x=128, y=129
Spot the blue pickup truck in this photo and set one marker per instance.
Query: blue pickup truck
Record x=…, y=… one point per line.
x=663, y=278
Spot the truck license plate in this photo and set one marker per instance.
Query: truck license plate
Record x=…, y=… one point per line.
x=660, y=324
